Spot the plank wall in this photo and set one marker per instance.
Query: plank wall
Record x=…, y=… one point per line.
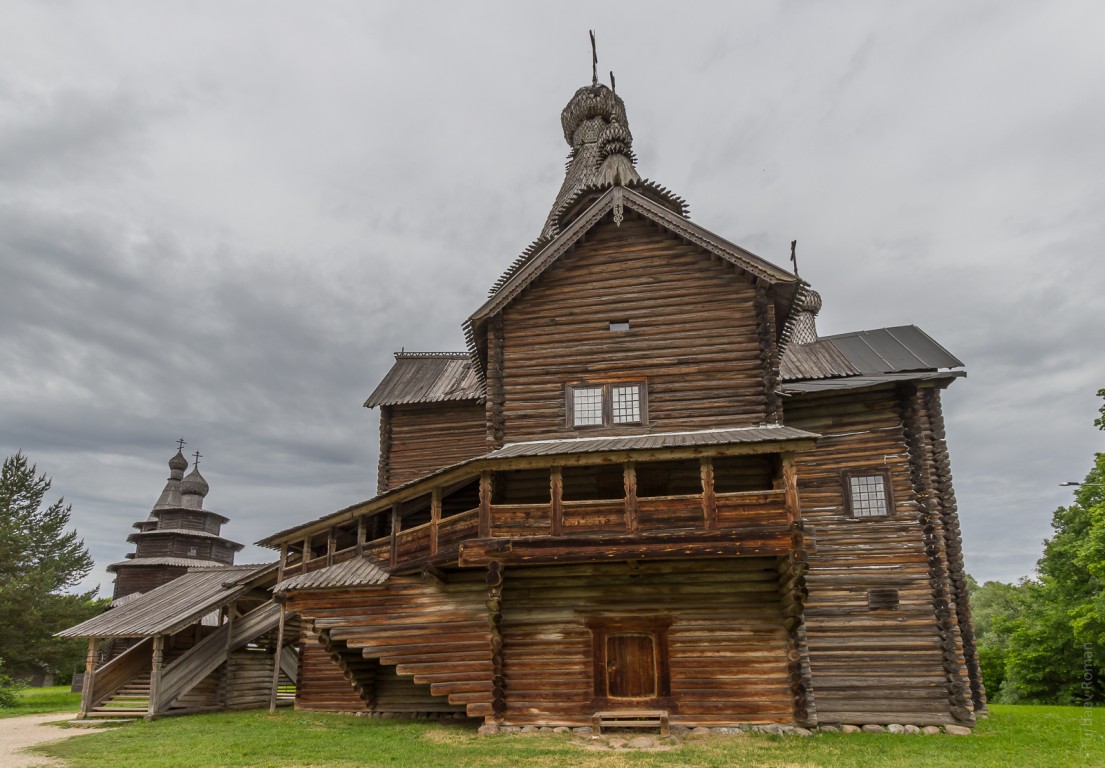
x=868, y=666
x=726, y=642
x=419, y=439
x=694, y=336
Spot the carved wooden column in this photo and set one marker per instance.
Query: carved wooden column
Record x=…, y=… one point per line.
x=435, y=518
x=556, y=500
x=629, y=479
x=485, y=505
x=709, y=498
x=88, y=686
x=153, y=709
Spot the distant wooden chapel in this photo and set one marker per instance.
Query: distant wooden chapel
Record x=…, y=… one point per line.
x=647, y=492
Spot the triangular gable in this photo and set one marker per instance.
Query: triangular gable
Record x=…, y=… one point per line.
x=615, y=201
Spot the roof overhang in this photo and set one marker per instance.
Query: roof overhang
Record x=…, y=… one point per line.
x=869, y=382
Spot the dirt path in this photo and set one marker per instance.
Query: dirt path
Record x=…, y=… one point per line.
x=18, y=733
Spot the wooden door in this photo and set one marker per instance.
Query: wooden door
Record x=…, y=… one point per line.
x=631, y=666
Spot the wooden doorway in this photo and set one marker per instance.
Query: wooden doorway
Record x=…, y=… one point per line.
x=630, y=662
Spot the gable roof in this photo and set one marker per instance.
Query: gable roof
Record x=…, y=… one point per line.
x=427, y=377
x=173, y=606
x=533, y=263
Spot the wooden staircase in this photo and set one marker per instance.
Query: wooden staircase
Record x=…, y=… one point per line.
x=130, y=700
x=359, y=671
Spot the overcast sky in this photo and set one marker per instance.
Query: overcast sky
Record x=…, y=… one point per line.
x=218, y=220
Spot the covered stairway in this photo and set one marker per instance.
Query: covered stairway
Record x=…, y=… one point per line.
x=205, y=641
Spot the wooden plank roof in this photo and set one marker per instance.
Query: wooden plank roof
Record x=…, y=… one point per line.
x=359, y=572
x=173, y=606
x=184, y=562
x=427, y=377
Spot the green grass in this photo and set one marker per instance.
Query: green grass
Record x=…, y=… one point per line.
x=35, y=701
x=1013, y=737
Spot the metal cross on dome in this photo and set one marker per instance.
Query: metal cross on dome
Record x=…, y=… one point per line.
x=180, y=443
x=198, y=456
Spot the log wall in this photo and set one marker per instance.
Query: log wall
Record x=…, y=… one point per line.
x=420, y=439
x=432, y=634
x=726, y=642
x=322, y=685
x=679, y=302
x=883, y=665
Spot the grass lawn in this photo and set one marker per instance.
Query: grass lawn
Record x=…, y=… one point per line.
x=1013, y=737
x=35, y=701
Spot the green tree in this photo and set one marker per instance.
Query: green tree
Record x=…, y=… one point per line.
x=1056, y=640
x=993, y=605
x=39, y=559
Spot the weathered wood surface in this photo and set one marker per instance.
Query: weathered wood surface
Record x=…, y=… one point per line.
x=679, y=302
x=726, y=641
x=868, y=666
x=423, y=438
x=432, y=633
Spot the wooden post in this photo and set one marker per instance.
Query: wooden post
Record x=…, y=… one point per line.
x=629, y=479
x=709, y=498
x=228, y=673
x=556, y=500
x=396, y=521
x=485, y=505
x=154, y=708
x=331, y=544
x=283, y=563
x=88, y=686
x=790, y=487
x=306, y=552
x=435, y=518
x=276, y=660
x=360, y=536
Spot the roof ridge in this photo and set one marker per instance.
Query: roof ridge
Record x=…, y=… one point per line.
x=404, y=355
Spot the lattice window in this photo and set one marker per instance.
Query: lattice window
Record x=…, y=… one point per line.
x=625, y=403
x=596, y=405
x=587, y=410
x=868, y=494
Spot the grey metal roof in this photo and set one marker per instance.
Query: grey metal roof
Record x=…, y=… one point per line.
x=861, y=382
x=866, y=353
x=185, y=562
x=173, y=606
x=184, y=533
x=890, y=350
x=427, y=377
x=761, y=434
x=352, y=573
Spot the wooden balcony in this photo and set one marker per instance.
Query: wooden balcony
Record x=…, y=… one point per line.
x=473, y=527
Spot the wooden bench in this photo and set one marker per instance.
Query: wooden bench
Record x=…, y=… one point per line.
x=630, y=718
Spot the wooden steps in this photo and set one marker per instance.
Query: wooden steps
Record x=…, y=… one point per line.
x=630, y=718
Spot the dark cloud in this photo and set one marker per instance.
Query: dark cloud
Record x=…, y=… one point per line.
x=219, y=222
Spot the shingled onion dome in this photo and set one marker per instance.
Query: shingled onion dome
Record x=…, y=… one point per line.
x=806, y=306
x=597, y=130
x=170, y=496
x=192, y=490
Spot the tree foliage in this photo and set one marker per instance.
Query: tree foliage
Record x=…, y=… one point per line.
x=40, y=557
x=1043, y=640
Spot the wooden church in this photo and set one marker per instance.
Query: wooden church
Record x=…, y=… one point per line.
x=648, y=492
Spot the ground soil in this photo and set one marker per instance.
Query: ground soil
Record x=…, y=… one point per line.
x=18, y=733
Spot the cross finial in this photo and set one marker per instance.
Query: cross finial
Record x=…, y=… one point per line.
x=180, y=444
x=594, y=61
x=794, y=255
x=198, y=456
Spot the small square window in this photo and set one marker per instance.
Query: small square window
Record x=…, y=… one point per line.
x=587, y=406
x=625, y=403
x=868, y=494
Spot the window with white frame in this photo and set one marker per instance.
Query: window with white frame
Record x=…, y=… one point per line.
x=868, y=493
x=597, y=405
